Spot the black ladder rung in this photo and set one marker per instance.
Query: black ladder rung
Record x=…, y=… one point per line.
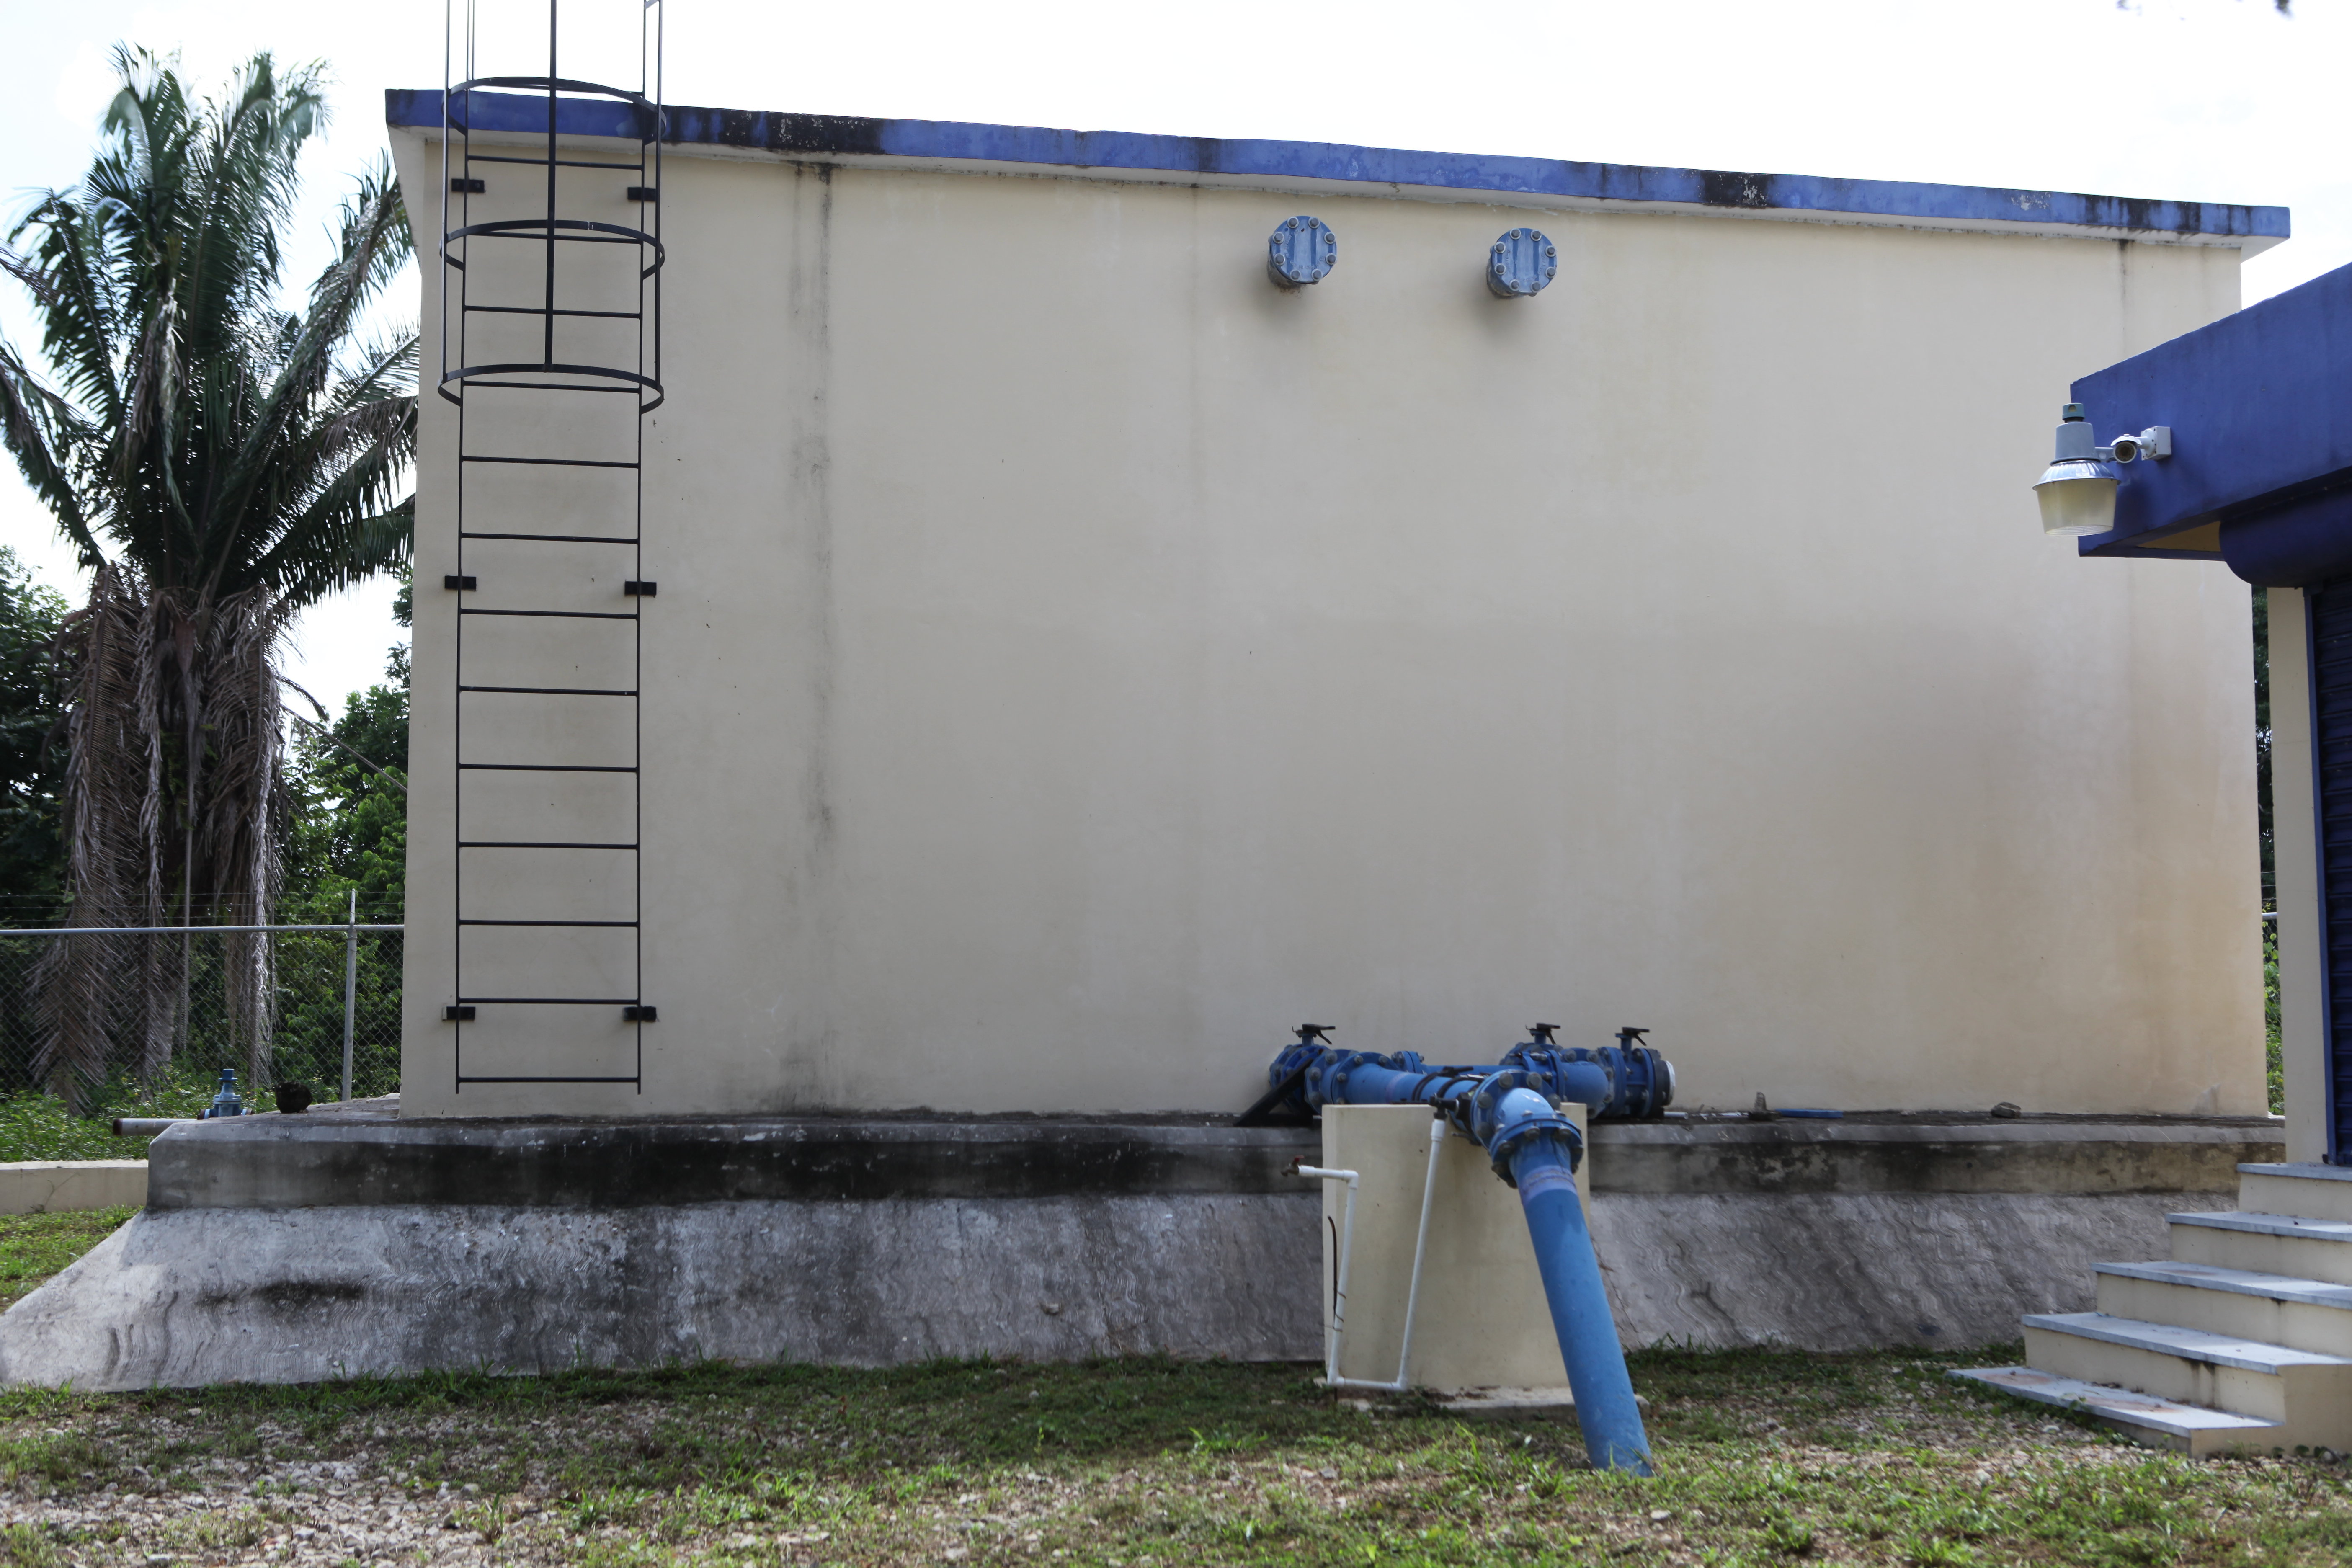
x=543, y=310
x=544, y=768
x=542, y=163
x=538, y=844
x=550, y=462
x=469, y=1077
x=601, y=925
x=552, y=386
x=553, y=690
x=557, y=614
x=558, y=538
x=541, y=237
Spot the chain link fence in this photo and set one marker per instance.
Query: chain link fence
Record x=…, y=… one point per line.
x=330, y=1018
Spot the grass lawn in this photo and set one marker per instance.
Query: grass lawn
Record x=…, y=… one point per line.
x=35, y=1245
x=1144, y=1463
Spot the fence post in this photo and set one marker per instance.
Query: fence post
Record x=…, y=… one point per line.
x=351, y=985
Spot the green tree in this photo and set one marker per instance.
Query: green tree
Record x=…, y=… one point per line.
x=31, y=855
x=352, y=779
x=223, y=462
x=350, y=853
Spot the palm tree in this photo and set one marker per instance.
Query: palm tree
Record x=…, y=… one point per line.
x=222, y=462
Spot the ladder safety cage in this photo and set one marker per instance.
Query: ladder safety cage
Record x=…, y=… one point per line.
x=551, y=306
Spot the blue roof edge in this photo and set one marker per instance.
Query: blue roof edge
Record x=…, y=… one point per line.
x=813, y=135
x=2260, y=404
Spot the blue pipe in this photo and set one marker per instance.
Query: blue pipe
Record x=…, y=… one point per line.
x=1543, y=1169
x=1357, y=1077
x=1513, y=1112
x=1619, y=1082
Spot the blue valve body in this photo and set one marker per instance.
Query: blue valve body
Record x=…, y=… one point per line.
x=225, y=1103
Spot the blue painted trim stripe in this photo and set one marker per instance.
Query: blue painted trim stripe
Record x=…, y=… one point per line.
x=2260, y=403
x=821, y=134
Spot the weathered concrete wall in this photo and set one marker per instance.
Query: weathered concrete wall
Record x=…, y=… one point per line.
x=1849, y=1271
x=317, y=1260
x=307, y=1161
x=187, y=1297
x=197, y=1296
x=1078, y=660
x=53, y=1186
x=2075, y=1156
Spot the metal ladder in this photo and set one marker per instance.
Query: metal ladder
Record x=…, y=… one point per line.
x=550, y=315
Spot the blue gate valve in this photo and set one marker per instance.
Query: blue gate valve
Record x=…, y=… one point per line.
x=225, y=1103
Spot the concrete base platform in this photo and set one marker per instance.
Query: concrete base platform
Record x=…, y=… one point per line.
x=58, y=1186
x=296, y=1248
x=1835, y=1271
x=189, y=1297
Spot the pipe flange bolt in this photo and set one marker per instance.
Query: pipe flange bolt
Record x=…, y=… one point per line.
x=1503, y=1149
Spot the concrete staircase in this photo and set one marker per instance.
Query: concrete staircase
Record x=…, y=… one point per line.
x=2244, y=1339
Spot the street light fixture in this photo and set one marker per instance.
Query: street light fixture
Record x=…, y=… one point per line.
x=2077, y=491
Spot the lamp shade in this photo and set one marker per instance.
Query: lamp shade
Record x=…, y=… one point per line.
x=2077, y=498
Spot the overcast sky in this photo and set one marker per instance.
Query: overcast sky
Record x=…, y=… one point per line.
x=2203, y=99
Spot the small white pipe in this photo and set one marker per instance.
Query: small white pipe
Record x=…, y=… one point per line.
x=1419, y=1245
x=1332, y=1377
x=1340, y=1286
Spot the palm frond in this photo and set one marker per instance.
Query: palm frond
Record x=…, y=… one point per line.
x=75, y=300
x=43, y=432
x=240, y=461
x=374, y=245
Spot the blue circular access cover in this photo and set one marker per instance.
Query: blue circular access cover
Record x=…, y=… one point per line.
x=1301, y=250
x=1521, y=263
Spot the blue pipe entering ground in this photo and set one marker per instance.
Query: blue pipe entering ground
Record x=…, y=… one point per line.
x=1513, y=1112
x=1543, y=1168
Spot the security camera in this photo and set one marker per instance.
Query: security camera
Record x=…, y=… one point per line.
x=2155, y=441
